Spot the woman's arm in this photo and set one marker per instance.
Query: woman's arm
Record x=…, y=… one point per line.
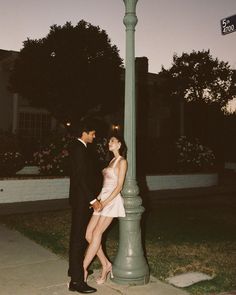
x=122, y=168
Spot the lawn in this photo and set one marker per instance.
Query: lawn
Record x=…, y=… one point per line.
x=180, y=235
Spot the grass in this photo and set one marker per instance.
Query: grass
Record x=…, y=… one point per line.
x=180, y=236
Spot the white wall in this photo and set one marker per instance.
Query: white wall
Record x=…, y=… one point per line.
x=20, y=190
x=230, y=166
x=164, y=182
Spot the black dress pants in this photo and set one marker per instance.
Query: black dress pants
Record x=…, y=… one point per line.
x=78, y=243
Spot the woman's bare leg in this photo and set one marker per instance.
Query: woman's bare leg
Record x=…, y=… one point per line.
x=94, y=247
x=89, y=233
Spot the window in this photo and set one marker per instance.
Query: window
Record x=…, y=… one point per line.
x=34, y=125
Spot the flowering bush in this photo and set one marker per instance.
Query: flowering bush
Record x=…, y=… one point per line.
x=102, y=149
x=52, y=159
x=10, y=163
x=193, y=156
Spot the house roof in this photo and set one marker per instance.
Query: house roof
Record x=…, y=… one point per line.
x=7, y=58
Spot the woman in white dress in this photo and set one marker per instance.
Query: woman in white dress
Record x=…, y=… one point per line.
x=112, y=205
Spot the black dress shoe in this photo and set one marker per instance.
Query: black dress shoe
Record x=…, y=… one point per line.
x=81, y=287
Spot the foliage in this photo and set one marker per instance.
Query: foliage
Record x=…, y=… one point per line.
x=182, y=155
x=102, y=149
x=204, y=86
x=52, y=159
x=199, y=77
x=193, y=156
x=11, y=158
x=70, y=72
x=10, y=163
x=9, y=142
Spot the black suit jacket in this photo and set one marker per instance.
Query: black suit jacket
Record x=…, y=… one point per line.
x=82, y=188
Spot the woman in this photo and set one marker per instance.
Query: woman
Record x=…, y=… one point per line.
x=112, y=206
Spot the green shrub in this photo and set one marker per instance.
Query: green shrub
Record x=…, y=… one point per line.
x=192, y=156
x=11, y=158
x=10, y=163
x=52, y=159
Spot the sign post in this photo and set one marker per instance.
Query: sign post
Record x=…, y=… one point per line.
x=228, y=25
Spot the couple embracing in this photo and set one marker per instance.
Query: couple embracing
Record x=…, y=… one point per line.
x=91, y=215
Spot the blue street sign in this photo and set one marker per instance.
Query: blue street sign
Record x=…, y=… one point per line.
x=228, y=25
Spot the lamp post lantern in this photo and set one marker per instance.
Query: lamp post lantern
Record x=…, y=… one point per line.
x=130, y=265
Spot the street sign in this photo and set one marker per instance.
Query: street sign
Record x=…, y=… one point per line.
x=228, y=25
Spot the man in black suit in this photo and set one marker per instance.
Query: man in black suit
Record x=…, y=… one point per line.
x=81, y=197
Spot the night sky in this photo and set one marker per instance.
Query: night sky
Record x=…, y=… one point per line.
x=165, y=27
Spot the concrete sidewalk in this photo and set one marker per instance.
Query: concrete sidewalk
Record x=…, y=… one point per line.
x=26, y=268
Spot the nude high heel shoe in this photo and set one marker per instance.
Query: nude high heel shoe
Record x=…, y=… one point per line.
x=103, y=279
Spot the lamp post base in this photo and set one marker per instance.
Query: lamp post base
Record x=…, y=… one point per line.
x=130, y=266
x=131, y=281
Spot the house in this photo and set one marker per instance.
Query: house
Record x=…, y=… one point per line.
x=16, y=116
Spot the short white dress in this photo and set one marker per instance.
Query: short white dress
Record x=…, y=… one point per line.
x=110, y=178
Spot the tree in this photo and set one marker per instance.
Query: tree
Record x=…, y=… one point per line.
x=70, y=72
x=205, y=85
x=199, y=77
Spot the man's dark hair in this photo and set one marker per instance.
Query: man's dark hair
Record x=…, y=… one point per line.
x=84, y=125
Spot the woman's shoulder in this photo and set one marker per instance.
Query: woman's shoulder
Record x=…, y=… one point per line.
x=122, y=161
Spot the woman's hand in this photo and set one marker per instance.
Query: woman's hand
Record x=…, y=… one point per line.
x=103, y=204
x=97, y=206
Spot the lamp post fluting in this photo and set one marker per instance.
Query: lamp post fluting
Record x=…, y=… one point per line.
x=130, y=265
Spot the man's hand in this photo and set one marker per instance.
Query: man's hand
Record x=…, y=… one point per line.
x=97, y=206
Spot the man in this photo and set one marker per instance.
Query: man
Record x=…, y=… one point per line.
x=81, y=197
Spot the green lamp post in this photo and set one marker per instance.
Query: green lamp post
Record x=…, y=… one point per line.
x=130, y=265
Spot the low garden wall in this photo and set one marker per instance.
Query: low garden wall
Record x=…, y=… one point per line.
x=36, y=189
x=175, y=181
x=33, y=189
x=230, y=166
